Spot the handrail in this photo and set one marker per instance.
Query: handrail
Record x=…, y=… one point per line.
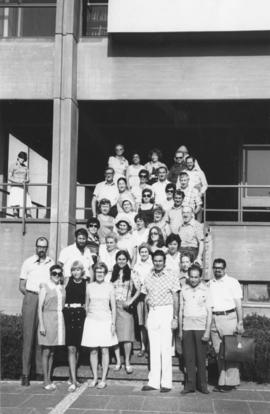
x=16, y=5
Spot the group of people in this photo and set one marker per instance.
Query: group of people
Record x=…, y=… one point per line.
x=140, y=258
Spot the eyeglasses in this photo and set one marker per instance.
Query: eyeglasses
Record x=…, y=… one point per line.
x=179, y=158
x=146, y=195
x=54, y=273
x=170, y=191
x=93, y=225
x=42, y=247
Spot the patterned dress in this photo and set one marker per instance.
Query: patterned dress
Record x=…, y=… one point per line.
x=53, y=316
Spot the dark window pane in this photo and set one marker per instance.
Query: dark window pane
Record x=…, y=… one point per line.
x=38, y=21
x=96, y=20
x=259, y=292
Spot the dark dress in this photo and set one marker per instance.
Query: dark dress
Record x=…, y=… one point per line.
x=74, y=316
x=148, y=215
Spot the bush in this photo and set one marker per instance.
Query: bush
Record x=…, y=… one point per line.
x=11, y=346
x=258, y=327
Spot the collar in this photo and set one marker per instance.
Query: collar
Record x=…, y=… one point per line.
x=110, y=184
x=37, y=260
x=177, y=208
x=158, y=275
x=221, y=280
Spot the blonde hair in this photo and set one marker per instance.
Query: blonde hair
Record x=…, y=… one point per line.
x=77, y=265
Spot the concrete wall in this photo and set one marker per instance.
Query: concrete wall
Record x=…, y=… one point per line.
x=15, y=248
x=26, y=68
x=187, y=15
x=158, y=76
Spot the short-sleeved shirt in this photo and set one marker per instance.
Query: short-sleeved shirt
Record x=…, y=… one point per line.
x=106, y=190
x=160, y=287
x=71, y=253
x=191, y=233
x=36, y=272
x=195, y=303
x=224, y=291
x=197, y=179
x=159, y=190
x=192, y=197
x=175, y=219
x=173, y=263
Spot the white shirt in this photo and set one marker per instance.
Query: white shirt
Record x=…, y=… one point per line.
x=36, y=272
x=69, y=254
x=173, y=263
x=224, y=291
x=141, y=270
x=133, y=175
x=136, y=191
x=197, y=179
x=126, y=243
x=140, y=237
x=109, y=258
x=159, y=191
x=105, y=190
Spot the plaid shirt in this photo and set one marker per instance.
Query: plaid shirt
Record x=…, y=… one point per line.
x=160, y=287
x=192, y=197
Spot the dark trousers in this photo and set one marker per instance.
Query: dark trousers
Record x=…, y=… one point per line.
x=30, y=326
x=194, y=351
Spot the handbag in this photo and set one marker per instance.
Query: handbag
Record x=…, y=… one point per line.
x=237, y=348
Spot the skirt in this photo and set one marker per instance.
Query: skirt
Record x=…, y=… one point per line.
x=16, y=198
x=124, y=324
x=54, y=329
x=74, y=322
x=97, y=333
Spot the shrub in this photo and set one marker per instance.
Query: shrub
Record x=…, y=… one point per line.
x=11, y=346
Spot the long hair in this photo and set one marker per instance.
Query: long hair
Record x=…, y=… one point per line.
x=116, y=268
x=160, y=242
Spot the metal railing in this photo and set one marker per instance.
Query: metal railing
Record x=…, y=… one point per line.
x=95, y=19
x=27, y=19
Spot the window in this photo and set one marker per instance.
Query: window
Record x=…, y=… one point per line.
x=95, y=18
x=258, y=292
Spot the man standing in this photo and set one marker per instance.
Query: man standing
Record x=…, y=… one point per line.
x=161, y=288
x=192, y=195
x=34, y=272
x=159, y=188
x=77, y=251
x=174, y=215
x=106, y=189
x=197, y=177
x=178, y=166
x=226, y=294
x=191, y=235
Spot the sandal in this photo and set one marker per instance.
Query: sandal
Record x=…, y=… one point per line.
x=72, y=388
x=117, y=367
x=129, y=369
x=101, y=385
x=92, y=384
x=49, y=387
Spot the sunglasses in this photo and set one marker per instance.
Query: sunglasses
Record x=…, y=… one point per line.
x=59, y=274
x=170, y=191
x=93, y=225
x=146, y=195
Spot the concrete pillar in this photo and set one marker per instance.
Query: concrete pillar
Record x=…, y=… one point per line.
x=3, y=159
x=65, y=126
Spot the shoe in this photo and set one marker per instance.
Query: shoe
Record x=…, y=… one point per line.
x=141, y=354
x=149, y=388
x=218, y=388
x=92, y=384
x=25, y=381
x=165, y=389
x=187, y=391
x=117, y=367
x=204, y=390
x=129, y=369
x=101, y=385
x=72, y=388
x=49, y=387
x=53, y=386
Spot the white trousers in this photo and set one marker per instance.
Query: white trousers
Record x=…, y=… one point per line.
x=160, y=339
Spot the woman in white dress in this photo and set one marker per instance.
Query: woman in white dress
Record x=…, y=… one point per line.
x=99, y=326
x=118, y=162
x=18, y=175
x=107, y=254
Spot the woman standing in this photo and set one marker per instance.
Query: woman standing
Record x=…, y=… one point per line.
x=74, y=315
x=146, y=208
x=173, y=257
x=93, y=241
x=18, y=175
x=118, y=162
x=155, y=156
x=51, y=331
x=125, y=239
x=123, y=287
x=124, y=194
x=160, y=220
x=99, y=327
x=133, y=170
x=156, y=240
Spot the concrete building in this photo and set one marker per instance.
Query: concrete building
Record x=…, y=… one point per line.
x=77, y=77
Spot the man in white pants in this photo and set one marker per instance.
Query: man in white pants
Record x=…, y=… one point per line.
x=162, y=290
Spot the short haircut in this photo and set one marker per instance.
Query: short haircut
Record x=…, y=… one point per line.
x=159, y=209
x=183, y=174
x=159, y=253
x=111, y=235
x=55, y=266
x=100, y=265
x=42, y=239
x=221, y=261
x=126, y=201
x=109, y=169
x=179, y=192
x=77, y=265
x=190, y=157
x=188, y=255
x=121, y=178
x=104, y=201
x=173, y=237
x=147, y=190
x=162, y=167
x=139, y=216
x=170, y=186
x=22, y=155
x=144, y=246
x=155, y=151
x=81, y=232
x=93, y=220
x=144, y=172
x=195, y=267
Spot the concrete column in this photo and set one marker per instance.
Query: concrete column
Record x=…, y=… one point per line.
x=65, y=126
x=3, y=158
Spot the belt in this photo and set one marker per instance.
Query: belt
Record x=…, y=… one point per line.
x=224, y=312
x=31, y=291
x=73, y=305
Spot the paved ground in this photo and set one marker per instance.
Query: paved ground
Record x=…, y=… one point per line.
x=126, y=398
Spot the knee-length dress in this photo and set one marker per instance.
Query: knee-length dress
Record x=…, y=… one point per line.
x=74, y=312
x=98, y=323
x=53, y=316
x=124, y=319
